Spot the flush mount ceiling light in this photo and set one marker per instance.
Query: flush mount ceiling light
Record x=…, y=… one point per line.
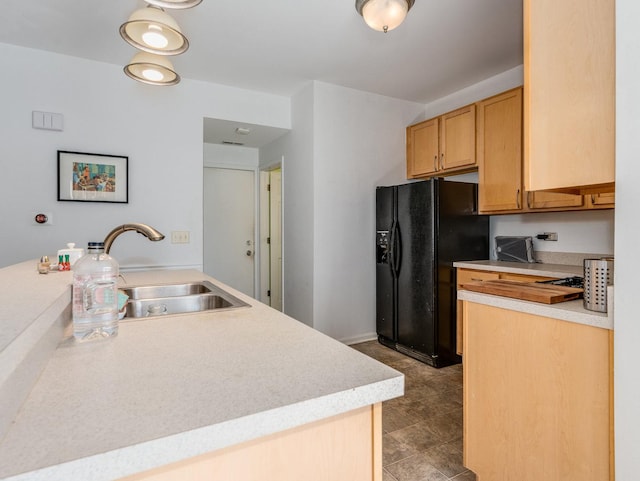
x=175, y=4
x=152, y=69
x=383, y=15
x=154, y=31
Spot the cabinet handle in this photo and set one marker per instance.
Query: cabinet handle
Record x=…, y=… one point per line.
x=518, y=198
x=435, y=162
x=593, y=198
x=529, y=200
x=442, y=160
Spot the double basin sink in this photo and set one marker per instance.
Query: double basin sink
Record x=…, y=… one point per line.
x=167, y=299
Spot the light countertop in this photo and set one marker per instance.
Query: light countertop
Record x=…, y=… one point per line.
x=531, y=269
x=174, y=387
x=570, y=311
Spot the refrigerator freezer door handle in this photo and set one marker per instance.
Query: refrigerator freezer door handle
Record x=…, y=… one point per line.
x=394, y=249
x=392, y=243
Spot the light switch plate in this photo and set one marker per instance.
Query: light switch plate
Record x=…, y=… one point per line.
x=47, y=121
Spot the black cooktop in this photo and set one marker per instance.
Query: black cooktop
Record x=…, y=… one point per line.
x=567, y=282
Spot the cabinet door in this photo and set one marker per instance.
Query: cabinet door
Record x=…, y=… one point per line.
x=464, y=276
x=553, y=200
x=601, y=201
x=422, y=148
x=499, y=142
x=458, y=138
x=537, y=399
x=569, y=94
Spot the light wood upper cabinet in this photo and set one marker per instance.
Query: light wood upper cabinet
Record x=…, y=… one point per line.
x=500, y=167
x=601, y=201
x=458, y=139
x=443, y=145
x=499, y=142
x=569, y=95
x=423, y=148
x=553, y=200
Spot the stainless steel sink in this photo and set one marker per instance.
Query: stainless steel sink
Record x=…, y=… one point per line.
x=165, y=299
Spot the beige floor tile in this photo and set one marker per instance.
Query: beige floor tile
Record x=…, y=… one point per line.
x=394, y=451
x=446, y=458
x=466, y=476
x=415, y=468
x=394, y=419
x=386, y=476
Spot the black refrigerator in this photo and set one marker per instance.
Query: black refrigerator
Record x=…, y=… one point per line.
x=421, y=229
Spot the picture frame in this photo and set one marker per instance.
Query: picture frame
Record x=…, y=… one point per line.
x=86, y=177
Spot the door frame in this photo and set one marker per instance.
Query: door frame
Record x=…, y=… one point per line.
x=264, y=227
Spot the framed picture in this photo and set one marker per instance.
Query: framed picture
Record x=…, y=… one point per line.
x=86, y=177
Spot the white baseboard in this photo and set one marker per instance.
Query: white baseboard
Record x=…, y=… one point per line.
x=371, y=336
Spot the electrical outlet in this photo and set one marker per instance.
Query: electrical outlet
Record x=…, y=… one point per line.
x=179, y=236
x=551, y=236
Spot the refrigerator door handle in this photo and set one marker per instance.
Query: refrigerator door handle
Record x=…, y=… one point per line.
x=392, y=243
x=395, y=249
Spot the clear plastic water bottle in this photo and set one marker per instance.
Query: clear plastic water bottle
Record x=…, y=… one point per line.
x=95, y=295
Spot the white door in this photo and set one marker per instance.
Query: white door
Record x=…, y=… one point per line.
x=229, y=223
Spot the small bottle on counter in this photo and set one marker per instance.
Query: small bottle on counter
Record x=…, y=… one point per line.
x=95, y=295
x=43, y=265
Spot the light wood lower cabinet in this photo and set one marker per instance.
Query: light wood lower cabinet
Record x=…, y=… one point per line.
x=344, y=447
x=467, y=275
x=537, y=397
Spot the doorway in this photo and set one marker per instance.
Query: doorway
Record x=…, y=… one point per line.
x=229, y=227
x=271, y=238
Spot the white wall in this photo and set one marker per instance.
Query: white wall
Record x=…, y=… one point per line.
x=359, y=143
x=230, y=156
x=627, y=260
x=487, y=88
x=296, y=148
x=587, y=232
x=343, y=144
x=159, y=129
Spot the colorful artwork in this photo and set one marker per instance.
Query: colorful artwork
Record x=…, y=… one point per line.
x=92, y=177
x=99, y=177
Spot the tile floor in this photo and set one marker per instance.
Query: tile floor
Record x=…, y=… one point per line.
x=422, y=431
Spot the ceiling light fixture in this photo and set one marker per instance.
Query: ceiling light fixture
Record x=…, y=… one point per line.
x=175, y=4
x=152, y=69
x=152, y=30
x=383, y=15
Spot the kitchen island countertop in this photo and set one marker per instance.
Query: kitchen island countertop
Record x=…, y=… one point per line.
x=174, y=387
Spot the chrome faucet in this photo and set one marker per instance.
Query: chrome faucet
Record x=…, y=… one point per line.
x=147, y=231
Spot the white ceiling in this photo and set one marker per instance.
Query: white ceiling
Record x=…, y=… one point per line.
x=277, y=46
